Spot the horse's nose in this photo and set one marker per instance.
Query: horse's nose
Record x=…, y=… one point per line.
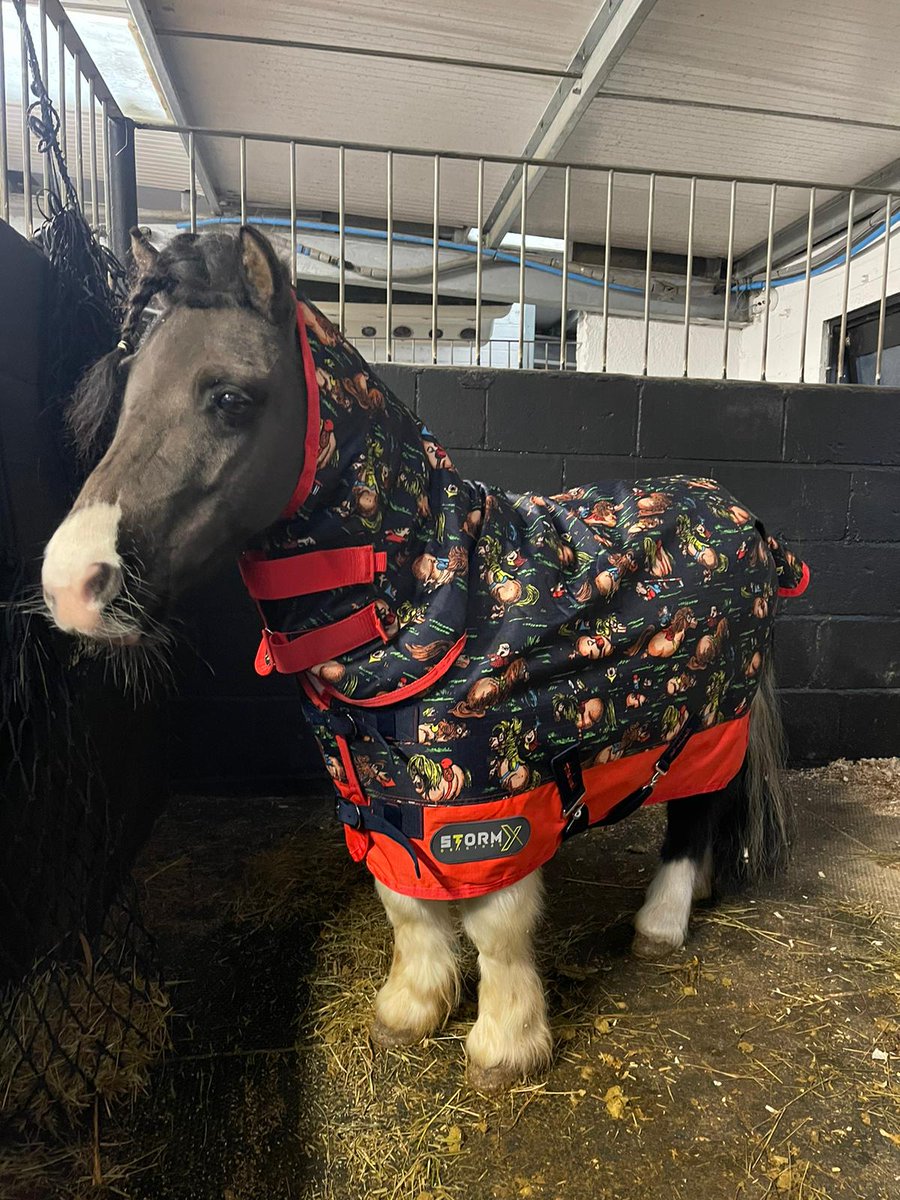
x=78, y=605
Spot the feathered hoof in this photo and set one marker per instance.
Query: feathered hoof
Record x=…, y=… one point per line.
x=388, y=1038
x=650, y=949
x=492, y=1081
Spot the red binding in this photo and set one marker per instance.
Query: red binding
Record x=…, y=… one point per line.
x=791, y=593
x=316, y=571
x=311, y=445
x=288, y=656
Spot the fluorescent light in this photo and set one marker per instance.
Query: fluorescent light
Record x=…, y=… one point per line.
x=513, y=241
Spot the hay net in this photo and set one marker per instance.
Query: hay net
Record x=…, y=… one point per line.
x=81, y=1012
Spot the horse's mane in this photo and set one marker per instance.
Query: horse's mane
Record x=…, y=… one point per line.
x=192, y=271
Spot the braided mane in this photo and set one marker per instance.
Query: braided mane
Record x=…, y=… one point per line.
x=192, y=271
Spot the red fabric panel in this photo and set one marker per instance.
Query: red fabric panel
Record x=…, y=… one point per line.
x=709, y=762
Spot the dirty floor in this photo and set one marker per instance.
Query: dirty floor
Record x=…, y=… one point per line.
x=760, y=1061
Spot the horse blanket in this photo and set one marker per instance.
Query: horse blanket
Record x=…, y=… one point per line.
x=486, y=673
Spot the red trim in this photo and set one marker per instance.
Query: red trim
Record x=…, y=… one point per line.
x=315, y=571
x=709, y=762
x=311, y=445
x=801, y=587
x=407, y=690
x=291, y=655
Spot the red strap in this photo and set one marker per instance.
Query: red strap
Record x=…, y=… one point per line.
x=320, y=645
x=316, y=571
x=407, y=690
x=801, y=587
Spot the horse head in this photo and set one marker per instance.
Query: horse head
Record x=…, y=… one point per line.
x=209, y=413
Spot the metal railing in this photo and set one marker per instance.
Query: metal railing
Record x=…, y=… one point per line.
x=68, y=72
x=633, y=278
x=645, y=258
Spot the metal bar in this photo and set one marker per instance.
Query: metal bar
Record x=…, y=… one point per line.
x=389, y=281
x=45, y=77
x=121, y=196
x=171, y=99
x=729, y=270
x=243, y=173
x=804, y=326
x=61, y=88
x=292, y=149
x=523, y=211
x=511, y=160
x=92, y=145
x=479, y=261
x=604, y=347
x=879, y=351
x=773, y=193
x=443, y=60
x=435, y=254
x=845, y=294
x=4, y=151
x=564, y=298
x=648, y=269
x=26, y=139
x=692, y=203
x=342, y=240
x=113, y=235
x=192, y=186
x=75, y=45
x=79, y=145
x=611, y=31
x=743, y=109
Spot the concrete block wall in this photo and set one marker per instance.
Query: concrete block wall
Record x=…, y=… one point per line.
x=819, y=464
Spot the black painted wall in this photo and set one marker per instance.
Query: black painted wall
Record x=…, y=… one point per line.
x=820, y=464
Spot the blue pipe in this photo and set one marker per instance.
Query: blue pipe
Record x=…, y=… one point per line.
x=830, y=264
x=412, y=239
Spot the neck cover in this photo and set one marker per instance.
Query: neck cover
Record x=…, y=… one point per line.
x=487, y=672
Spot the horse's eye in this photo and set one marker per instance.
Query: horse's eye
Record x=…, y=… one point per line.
x=231, y=403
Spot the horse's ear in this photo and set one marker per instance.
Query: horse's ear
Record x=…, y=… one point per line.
x=264, y=277
x=143, y=253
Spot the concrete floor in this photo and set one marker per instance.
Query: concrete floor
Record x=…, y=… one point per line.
x=762, y=1060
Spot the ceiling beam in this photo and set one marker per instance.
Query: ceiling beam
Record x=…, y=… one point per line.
x=830, y=219
x=609, y=36
x=141, y=18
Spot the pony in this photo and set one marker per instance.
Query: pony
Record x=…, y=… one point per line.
x=214, y=448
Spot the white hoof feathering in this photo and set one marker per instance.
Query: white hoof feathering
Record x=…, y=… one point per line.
x=511, y=1036
x=663, y=919
x=423, y=983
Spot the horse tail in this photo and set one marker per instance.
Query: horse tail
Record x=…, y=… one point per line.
x=754, y=835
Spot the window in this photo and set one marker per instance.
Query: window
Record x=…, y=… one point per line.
x=862, y=345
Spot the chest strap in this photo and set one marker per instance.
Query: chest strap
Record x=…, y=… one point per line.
x=286, y=655
x=314, y=571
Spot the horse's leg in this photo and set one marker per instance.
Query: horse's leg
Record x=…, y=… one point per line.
x=511, y=1036
x=684, y=875
x=423, y=983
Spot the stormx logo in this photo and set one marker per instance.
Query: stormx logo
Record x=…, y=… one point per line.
x=472, y=841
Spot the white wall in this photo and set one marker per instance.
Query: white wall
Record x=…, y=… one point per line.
x=745, y=343
x=625, y=347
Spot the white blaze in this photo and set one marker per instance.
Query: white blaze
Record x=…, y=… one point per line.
x=88, y=535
